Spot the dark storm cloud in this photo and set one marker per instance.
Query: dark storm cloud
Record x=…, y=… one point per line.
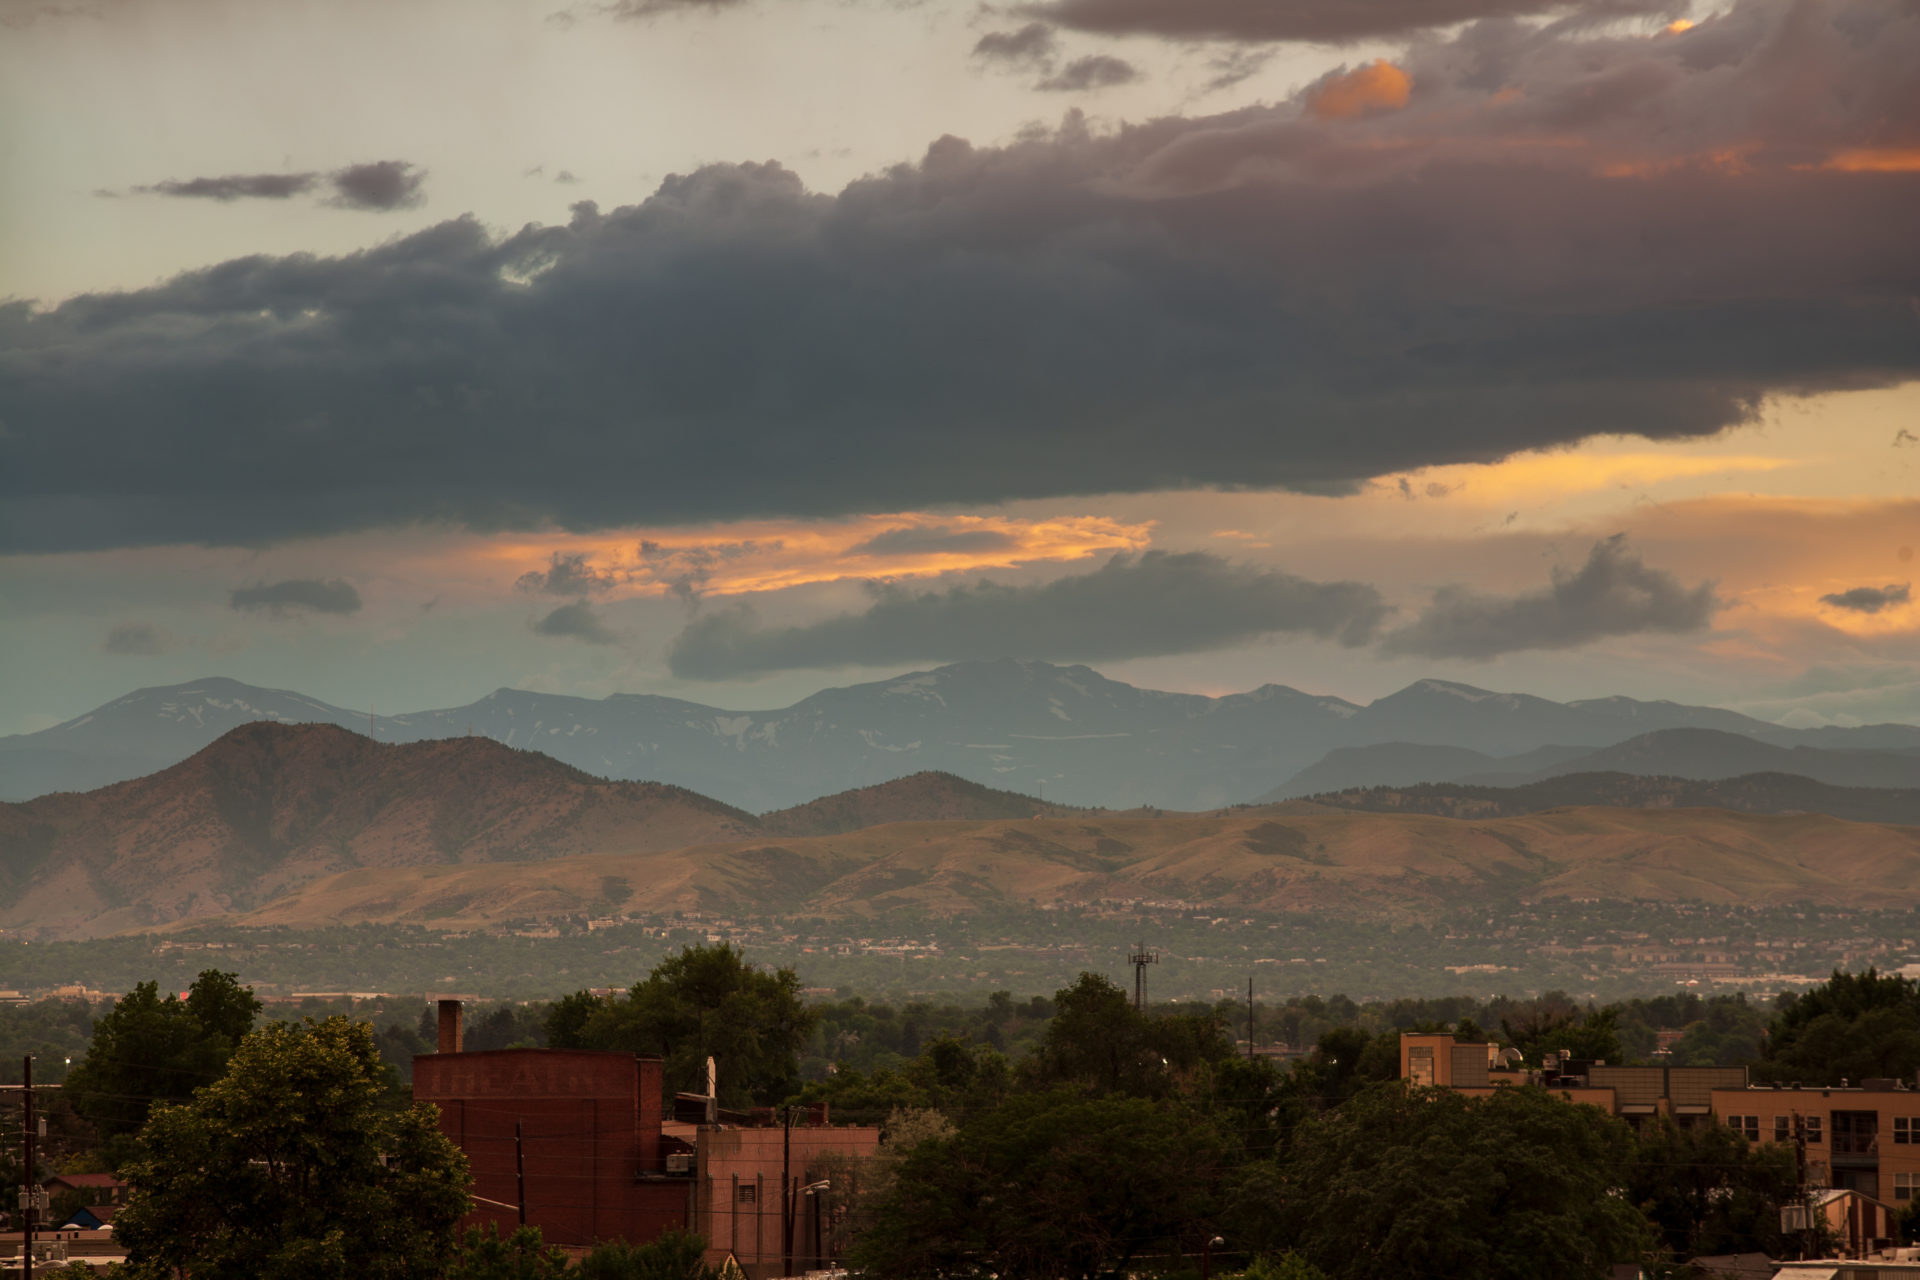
x=136, y=639
x=296, y=594
x=1871, y=599
x=1322, y=21
x=1031, y=45
x=1613, y=594
x=382, y=184
x=655, y=8
x=913, y=541
x=576, y=621
x=236, y=186
x=1095, y=71
x=567, y=575
x=1132, y=607
x=1544, y=239
x=378, y=185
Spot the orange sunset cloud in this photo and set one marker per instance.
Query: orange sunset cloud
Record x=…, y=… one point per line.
x=771, y=555
x=1378, y=86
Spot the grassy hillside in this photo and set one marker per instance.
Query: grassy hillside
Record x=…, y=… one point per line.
x=1358, y=866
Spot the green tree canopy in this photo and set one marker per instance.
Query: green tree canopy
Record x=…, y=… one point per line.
x=950, y=1075
x=1852, y=1026
x=287, y=1168
x=674, y=1255
x=1707, y=1190
x=1047, y=1185
x=1595, y=1036
x=1430, y=1182
x=147, y=1050
x=487, y=1255
x=706, y=1001
x=1097, y=1040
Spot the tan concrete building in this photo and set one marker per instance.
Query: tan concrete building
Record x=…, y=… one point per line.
x=1861, y=1137
x=765, y=1194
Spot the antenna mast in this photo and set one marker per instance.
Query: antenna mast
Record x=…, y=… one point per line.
x=1140, y=958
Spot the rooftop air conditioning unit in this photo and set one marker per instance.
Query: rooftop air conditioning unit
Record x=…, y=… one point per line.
x=1794, y=1217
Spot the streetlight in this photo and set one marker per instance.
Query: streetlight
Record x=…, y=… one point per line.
x=1206, y=1255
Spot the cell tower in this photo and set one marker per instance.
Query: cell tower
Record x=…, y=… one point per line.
x=1140, y=959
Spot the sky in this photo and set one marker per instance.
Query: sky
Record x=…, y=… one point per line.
x=732, y=349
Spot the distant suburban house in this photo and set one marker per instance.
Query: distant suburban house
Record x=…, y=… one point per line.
x=100, y=1188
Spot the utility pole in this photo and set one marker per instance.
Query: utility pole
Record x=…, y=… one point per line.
x=520, y=1169
x=29, y=1189
x=786, y=1195
x=1140, y=959
x=1249, y=1017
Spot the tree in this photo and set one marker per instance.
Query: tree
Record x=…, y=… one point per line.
x=484, y=1255
x=704, y=1001
x=567, y=1019
x=1852, y=1026
x=950, y=1075
x=286, y=1168
x=1708, y=1190
x=1594, y=1037
x=148, y=1050
x=1097, y=1040
x=1419, y=1182
x=1048, y=1185
x=674, y=1255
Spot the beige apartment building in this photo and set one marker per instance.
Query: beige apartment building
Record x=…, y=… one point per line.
x=1862, y=1137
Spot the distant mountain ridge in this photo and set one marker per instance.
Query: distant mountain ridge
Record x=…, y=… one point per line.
x=1749, y=793
x=1700, y=754
x=314, y=824
x=1030, y=727
x=269, y=807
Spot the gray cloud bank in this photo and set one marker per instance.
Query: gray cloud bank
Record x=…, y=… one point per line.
x=1615, y=593
x=1871, y=599
x=1323, y=21
x=136, y=639
x=294, y=595
x=379, y=185
x=576, y=621
x=1159, y=603
x=1154, y=603
x=1095, y=71
x=1543, y=244
x=567, y=574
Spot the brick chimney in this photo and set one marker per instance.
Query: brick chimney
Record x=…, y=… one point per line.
x=449, y=1026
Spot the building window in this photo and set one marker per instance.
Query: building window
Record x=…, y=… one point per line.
x=1814, y=1126
x=1903, y=1130
x=746, y=1193
x=1904, y=1185
x=1782, y=1128
x=1747, y=1127
x=1420, y=1064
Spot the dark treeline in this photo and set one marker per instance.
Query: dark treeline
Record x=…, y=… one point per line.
x=1068, y=1136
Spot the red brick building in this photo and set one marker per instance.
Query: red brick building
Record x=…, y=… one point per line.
x=581, y=1139
x=577, y=1133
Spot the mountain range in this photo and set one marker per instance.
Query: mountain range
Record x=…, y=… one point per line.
x=310, y=825
x=268, y=808
x=1698, y=754
x=1066, y=733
